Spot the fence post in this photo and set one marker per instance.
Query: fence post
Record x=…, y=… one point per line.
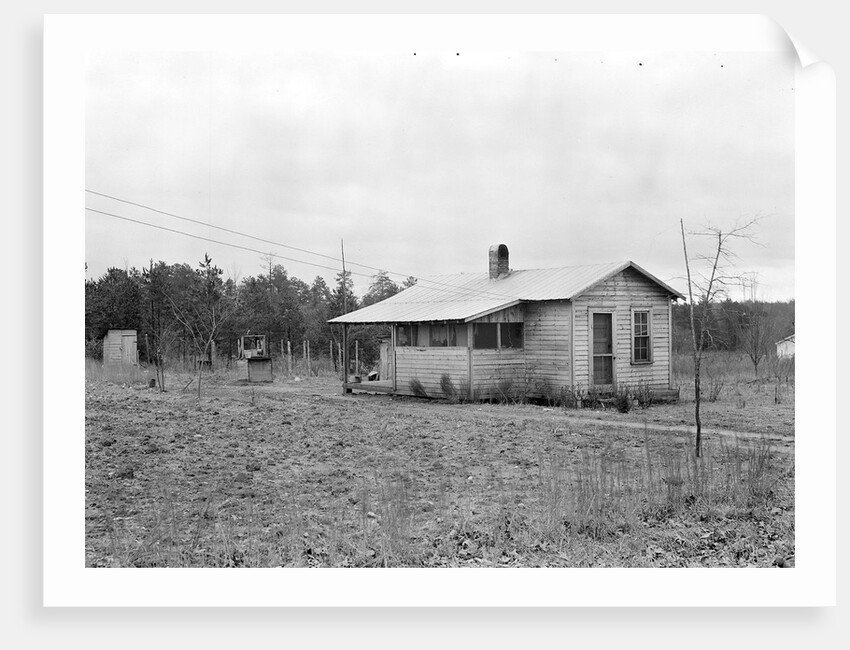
x=309, y=361
x=288, y=357
x=345, y=388
x=356, y=357
x=341, y=359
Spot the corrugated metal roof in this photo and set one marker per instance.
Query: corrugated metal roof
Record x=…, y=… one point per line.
x=465, y=296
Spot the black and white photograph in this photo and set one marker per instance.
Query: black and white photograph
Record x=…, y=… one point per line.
x=412, y=307
x=440, y=309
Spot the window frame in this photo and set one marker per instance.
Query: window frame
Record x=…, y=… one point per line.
x=648, y=336
x=413, y=335
x=496, y=337
x=520, y=345
x=612, y=313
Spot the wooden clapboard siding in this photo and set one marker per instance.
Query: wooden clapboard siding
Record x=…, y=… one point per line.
x=494, y=370
x=428, y=365
x=119, y=346
x=515, y=314
x=547, y=343
x=619, y=295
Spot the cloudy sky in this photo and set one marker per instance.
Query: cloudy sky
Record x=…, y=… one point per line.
x=420, y=161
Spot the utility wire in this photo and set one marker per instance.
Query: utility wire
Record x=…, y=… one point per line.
x=223, y=243
x=451, y=288
x=232, y=232
x=301, y=250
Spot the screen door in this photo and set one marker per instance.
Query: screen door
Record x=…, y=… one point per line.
x=603, y=350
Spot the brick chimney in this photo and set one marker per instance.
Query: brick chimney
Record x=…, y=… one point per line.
x=498, y=261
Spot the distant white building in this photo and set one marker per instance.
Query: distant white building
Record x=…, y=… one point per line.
x=785, y=347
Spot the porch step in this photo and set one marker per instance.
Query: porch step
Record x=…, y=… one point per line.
x=665, y=396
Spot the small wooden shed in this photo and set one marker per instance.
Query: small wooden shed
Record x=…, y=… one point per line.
x=119, y=347
x=592, y=327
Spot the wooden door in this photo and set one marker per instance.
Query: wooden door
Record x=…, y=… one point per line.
x=603, y=350
x=128, y=348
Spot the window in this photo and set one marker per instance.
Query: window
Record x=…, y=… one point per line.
x=641, y=336
x=492, y=336
x=439, y=335
x=406, y=335
x=458, y=335
x=510, y=335
x=435, y=335
x=484, y=336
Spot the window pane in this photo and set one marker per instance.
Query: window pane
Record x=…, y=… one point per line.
x=511, y=335
x=459, y=335
x=404, y=336
x=641, y=348
x=641, y=323
x=484, y=336
x=602, y=333
x=439, y=335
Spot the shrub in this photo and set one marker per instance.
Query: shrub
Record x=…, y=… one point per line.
x=714, y=388
x=591, y=399
x=505, y=390
x=463, y=394
x=94, y=349
x=570, y=396
x=549, y=395
x=448, y=387
x=643, y=394
x=622, y=400
x=417, y=388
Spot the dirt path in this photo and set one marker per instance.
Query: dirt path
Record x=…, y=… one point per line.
x=687, y=429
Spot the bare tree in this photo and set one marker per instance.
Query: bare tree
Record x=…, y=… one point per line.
x=755, y=328
x=708, y=281
x=203, y=313
x=164, y=330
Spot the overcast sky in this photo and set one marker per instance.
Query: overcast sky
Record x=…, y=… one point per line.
x=421, y=161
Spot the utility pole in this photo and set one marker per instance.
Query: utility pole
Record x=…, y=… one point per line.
x=344, y=325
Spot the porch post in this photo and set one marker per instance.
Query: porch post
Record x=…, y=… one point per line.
x=469, y=346
x=392, y=358
x=345, y=388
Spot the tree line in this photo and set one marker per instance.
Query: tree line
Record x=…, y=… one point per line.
x=180, y=311
x=749, y=327
x=183, y=313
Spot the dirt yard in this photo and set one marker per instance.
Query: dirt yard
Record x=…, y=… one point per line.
x=293, y=473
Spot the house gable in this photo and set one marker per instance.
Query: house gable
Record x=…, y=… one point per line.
x=622, y=295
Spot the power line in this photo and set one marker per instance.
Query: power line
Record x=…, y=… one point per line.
x=454, y=289
x=232, y=232
x=223, y=243
x=302, y=250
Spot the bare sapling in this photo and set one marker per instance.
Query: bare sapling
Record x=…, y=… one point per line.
x=204, y=314
x=705, y=289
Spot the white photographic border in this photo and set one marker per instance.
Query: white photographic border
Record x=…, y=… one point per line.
x=68, y=41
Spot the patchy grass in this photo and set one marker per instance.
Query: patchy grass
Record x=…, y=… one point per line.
x=294, y=474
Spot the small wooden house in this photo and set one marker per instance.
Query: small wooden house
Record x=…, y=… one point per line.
x=120, y=347
x=587, y=327
x=785, y=347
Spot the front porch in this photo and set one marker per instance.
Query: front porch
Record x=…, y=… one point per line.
x=353, y=382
